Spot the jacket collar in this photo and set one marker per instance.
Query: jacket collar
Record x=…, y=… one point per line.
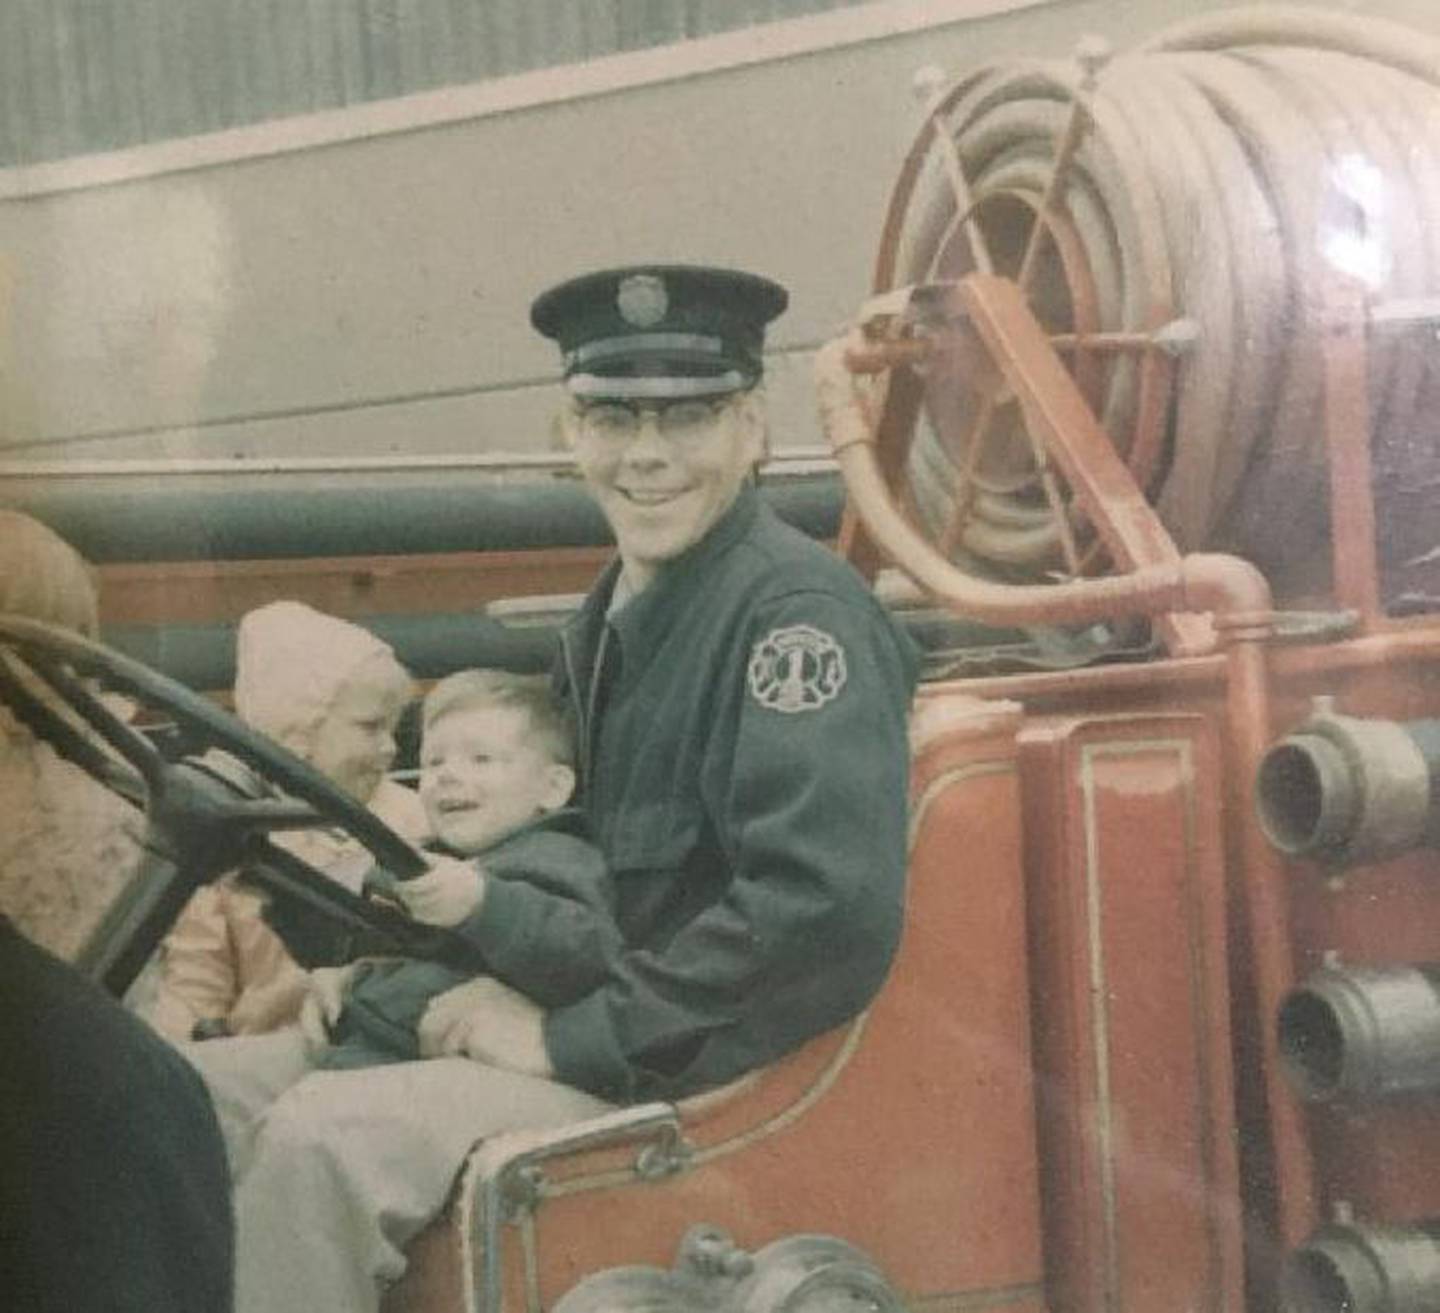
x=563, y=820
x=653, y=609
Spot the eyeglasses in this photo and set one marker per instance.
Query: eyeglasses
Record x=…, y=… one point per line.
x=678, y=421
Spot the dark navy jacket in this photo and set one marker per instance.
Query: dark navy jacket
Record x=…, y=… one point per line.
x=744, y=758
x=545, y=927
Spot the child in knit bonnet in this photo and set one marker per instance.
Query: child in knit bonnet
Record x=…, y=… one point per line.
x=332, y=693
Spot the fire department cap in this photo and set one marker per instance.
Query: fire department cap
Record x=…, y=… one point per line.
x=660, y=330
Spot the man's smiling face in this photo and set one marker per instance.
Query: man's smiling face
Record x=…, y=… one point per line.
x=664, y=473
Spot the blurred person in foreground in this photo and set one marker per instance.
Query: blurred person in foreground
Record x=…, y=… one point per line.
x=114, y=1191
x=332, y=693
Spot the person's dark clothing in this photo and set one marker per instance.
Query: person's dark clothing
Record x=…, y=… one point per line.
x=545, y=927
x=114, y=1190
x=744, y=759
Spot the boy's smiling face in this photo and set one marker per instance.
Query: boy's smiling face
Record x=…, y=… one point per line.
x=483, y=774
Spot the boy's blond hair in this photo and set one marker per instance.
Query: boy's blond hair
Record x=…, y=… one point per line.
x=548, y=718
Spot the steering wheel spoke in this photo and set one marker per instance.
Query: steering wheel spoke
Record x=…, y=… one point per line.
x=77, y=747
x=124, y=738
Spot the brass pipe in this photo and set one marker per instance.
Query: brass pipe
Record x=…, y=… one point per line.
x=864, y=355
x=1265, y=894
x=1198, y=582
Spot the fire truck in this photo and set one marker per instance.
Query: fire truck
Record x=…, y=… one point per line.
x=1137, y=430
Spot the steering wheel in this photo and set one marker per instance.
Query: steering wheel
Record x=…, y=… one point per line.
x=206, y=814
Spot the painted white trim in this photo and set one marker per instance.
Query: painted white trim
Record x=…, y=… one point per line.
x=764, y=43
x=793, y=460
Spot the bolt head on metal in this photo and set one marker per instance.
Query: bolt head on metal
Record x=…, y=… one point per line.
x=1177, y=337
x=927, y=83
x=1092, y=53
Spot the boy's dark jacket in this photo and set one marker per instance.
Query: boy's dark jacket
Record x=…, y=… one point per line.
x=545, y=927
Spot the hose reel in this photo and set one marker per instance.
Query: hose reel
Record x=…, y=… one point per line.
x=1174, y=217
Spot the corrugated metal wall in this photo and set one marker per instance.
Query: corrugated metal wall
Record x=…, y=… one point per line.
x=78, y=76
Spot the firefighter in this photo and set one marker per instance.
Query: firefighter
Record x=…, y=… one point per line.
x=742, y=701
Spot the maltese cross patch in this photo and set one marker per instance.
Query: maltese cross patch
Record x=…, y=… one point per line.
x=798, y=668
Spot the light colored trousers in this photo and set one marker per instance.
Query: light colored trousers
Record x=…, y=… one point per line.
x=336, y=1171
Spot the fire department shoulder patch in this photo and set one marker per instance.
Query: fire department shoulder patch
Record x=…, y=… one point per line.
x=797, y=668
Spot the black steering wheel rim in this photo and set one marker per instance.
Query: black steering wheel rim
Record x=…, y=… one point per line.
x=218, y=727
x=60, y=658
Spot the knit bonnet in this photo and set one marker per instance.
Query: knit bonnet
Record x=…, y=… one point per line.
x=292, y=660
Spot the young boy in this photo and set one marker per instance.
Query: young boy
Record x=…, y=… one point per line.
x=496, y=775
x=497, y=770
x=332, y=693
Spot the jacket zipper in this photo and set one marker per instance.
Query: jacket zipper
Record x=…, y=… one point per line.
x=587, y=703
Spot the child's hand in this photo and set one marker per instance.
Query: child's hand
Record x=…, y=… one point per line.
x=324, y=999
x=488, y=1021
x=446, y=894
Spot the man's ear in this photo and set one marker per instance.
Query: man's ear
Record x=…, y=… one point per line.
x=558, y=786
x=564, y=428
x=751, y=416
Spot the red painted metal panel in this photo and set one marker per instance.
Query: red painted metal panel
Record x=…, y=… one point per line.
x=1126, y=894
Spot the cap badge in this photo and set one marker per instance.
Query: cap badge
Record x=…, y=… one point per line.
x=642, y=300
x=797, y=668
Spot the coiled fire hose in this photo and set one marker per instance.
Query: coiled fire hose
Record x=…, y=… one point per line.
x=1226, y=174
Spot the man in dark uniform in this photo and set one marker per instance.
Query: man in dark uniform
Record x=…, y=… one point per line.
x=742, y=704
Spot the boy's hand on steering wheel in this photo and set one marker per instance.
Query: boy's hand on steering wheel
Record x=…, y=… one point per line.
x=446, y=894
